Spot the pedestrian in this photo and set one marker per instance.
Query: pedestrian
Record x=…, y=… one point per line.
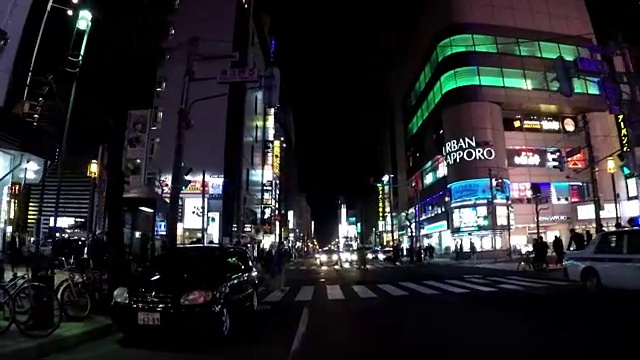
x=474, y=252
x=577, y=239
x=558, y=248
x=431, y=250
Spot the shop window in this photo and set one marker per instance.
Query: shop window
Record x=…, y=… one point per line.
x=580, y=86
x=549, y=50
x=448, y=81
x=592, y=86
x=536, y=80
x=491, y=76
x=529, y=48
x=485, y=43
x=568, y=52
x=508, y=46
x=443, y=49
x=514, y=78
x=461, y=43
x=467, y=76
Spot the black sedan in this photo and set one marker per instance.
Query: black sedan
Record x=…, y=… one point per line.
x=188, y=290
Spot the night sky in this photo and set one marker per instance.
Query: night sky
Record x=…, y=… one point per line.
x=333, y=57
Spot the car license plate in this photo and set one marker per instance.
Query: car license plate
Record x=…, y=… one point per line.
x=146, y=318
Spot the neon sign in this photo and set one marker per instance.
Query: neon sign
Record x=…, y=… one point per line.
x=466, y=148
x=623, y=133
x=381, y=211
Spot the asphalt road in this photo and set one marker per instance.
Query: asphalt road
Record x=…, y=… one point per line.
x=388, y=312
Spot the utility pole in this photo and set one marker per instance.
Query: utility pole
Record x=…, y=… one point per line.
x=593, y=173
x=494, y=217
x=178, y=152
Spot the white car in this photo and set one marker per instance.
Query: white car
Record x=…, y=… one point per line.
x=612, y=260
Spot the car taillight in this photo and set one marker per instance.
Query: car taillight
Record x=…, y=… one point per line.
x=196, y=297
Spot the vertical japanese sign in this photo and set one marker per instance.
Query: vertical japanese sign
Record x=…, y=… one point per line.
x=136, y=148
x=623, y=133
x=381, y=207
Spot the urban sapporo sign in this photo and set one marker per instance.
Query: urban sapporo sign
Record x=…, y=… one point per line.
x=466, y=149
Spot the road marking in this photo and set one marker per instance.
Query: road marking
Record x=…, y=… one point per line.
x=515, y=282
x=363, y=292
x=472, y=276
x=392, y=290
x=446, y=287
x=548, y=282
x=302, y=267
x=479, y=281
x=334, y=292
x=419, y=288
x=472, y=286
x=302, y=328
x=276, y=295
x=511, y=287
x=305, y=293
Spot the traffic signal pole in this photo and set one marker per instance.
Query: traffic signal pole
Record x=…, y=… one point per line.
x=178, y=152
x=593, y=174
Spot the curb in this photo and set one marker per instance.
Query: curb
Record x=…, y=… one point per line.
x=44, y=347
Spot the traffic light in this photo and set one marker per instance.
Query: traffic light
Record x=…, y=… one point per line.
x=560, y=159
x=499, y=186
x=565, y=71
x=625, y=164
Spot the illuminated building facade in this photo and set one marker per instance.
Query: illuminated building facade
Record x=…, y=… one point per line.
x=483, y=121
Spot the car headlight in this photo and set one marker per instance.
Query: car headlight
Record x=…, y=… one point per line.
x=369, y=256
x=380, y=257
x=196, y=297
x=121, y=295
x=334, y=257
x=323, y=257
x=354, y=257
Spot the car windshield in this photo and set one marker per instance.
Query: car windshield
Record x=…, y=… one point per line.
x=188, y=260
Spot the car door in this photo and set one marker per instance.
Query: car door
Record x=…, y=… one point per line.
x=608, y=256
x=248, y=273
x=233, y=269
x=632, y=267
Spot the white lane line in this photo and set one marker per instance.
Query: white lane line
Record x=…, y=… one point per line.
x=480, y=281
x=305, y=293
x=302, y=328
x=363, y=292
x=419, y=288
x=334, y=292
x=516, y=282
x=453, y=289
x=472, y=276
x=276, y=295
x=302, y=267
x=548, y=282
x=472, y=286
x=511, y=287
x=392, y=290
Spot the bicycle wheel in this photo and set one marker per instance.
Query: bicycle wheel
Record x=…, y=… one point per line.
x=76, y=302
x=44, y=315
x=6, y=310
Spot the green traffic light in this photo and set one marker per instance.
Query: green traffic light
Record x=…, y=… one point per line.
x=84, y=20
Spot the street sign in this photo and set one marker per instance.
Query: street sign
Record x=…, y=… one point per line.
x=241, y=75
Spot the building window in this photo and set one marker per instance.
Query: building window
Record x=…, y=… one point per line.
x=491, y=44
x=489, y=76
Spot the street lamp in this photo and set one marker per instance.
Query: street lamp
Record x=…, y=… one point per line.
x=83, y=26
x=93, y=171
x=612, y=169
x=40, y=32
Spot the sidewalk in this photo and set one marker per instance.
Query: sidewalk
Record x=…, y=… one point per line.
x=60, y=275
x=15, y=346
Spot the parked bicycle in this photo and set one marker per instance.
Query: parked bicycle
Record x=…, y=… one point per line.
x=78, y=291
x=526, y=262
x=30, y=306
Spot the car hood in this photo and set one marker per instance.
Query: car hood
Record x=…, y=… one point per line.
x=175, y=282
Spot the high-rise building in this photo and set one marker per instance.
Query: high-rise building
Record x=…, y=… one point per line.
x=486, y=129
x=223, y=145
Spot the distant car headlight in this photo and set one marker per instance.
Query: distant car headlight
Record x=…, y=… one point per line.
x=354, y=257
x=323, y=257
x=196, y=297
x=121, y=295
x=380, y=256
x=334, y=257
x=317, y=255
x=369, y=256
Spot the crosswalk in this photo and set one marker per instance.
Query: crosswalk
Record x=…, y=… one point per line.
x=374, y=265
x=466, y=285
